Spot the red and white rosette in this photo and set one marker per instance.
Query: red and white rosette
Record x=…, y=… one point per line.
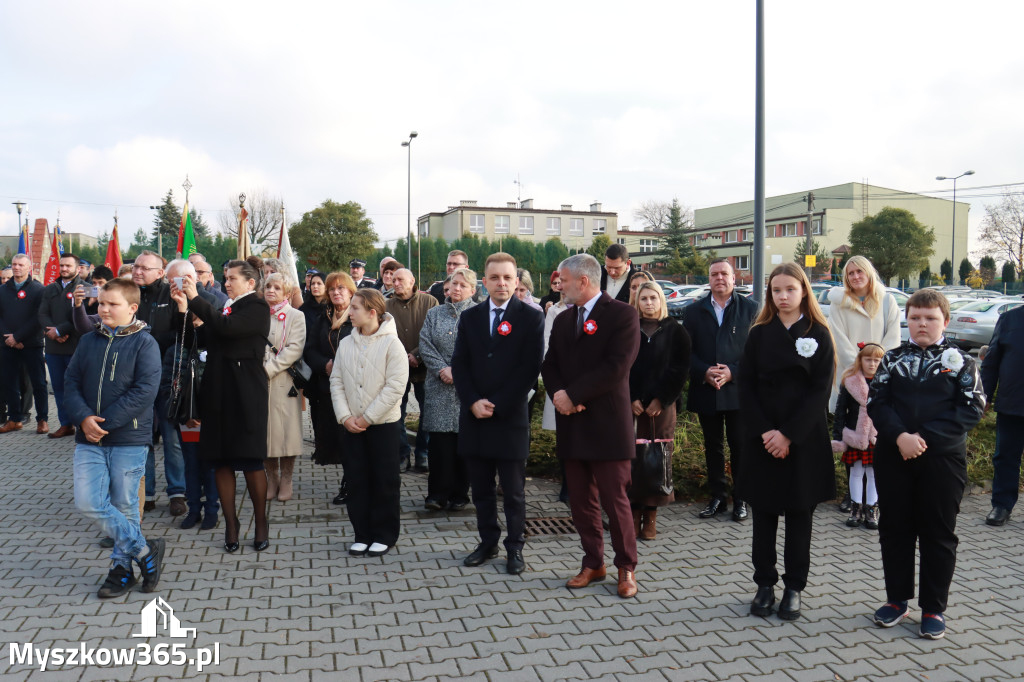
x=226, y=311
x=505, y=328
x=590, y=327
x=21, y=294
x=281, y=316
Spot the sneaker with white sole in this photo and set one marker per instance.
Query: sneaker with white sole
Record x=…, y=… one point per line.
x=933, y=625
x=891, y=614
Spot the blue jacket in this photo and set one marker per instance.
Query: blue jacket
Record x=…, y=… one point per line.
x=116, y=377
x=1004, y=364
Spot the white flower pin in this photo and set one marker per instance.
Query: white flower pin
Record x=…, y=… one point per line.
x=952, y=360
x=805, y=347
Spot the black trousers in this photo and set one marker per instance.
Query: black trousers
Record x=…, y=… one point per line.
x=13, y=361
x=796, y=548
x=448, y=479
x=919, y=500
x=713, y=424
x=512, y=475
x=374, y=483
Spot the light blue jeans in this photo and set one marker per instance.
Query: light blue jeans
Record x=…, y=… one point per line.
x=107, y=491
x=174, y=462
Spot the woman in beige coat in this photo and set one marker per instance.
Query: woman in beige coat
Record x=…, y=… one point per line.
x=284, y=426
x=368, y=381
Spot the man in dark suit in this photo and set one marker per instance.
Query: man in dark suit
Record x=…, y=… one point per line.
x=718, y=325
x=357, y=270
x=22, y=347
x=1004, y=367
x=59, y=330
x=498, y=351
x=616, y=272
x=586, y=374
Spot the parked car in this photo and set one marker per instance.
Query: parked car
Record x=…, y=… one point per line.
x=678, y=304
x=901, y=301
x=973, y=324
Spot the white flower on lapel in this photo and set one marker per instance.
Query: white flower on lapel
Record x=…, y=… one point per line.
x=952, y=360
x=805, y=347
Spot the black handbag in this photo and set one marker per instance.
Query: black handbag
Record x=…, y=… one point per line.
x=652, y=472
x=299, y=371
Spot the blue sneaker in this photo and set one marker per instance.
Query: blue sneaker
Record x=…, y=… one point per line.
x=119, y=581
x=933, y=625
x=891, y=614
x=150, y=565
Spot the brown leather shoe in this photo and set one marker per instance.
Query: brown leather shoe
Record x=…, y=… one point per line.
x=649, y=525
x=178, y=507
x=627, y=584
x=585, y=577
x=63, y=431
x=10, y=426
x=42, y=427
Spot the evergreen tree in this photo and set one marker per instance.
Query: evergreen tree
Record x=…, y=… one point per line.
x=166, y=223
x=946, y=271
x=965, y=270
x=675, y=240
x=1009, y=273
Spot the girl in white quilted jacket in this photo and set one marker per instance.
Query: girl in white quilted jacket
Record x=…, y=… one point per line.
x=369, y=377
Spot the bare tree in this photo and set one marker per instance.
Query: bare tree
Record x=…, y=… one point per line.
x=1002, y=230
x=653, y=215
x=264, y=218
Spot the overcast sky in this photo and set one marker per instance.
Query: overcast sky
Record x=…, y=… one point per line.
x=109, y=104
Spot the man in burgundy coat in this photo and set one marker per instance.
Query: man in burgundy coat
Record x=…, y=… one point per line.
x=586, y=374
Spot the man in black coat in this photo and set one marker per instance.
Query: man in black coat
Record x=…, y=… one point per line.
x=718, y=325
x=59, y=330
x=456, y=259
x=20, y=299
x=498, y=350
x=616, y=272
x=1004, y=367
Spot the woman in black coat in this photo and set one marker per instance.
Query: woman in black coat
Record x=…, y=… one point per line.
x=235, y=394
x=655, y=382
x=787, y=465
x=327, y=325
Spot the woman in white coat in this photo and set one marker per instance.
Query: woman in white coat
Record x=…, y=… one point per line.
x=861, y=311
x=368, y=380
x=284, y=426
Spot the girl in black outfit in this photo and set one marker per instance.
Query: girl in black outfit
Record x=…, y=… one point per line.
x=787, y=465
x=327, y=325
x=655, y=382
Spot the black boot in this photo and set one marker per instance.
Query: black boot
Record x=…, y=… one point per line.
x=763, y=602
x=846, y=504
x=789, y=607
x=856, y=515
x=342, y=496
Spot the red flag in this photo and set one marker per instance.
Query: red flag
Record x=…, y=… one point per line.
x=181, y=232
x=113, y=259
x=52, y=272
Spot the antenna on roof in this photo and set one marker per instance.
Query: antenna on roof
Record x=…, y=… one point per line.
x=519, y=189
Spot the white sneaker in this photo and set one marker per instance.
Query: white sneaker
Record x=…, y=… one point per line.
x=377, y=549
x=357, y=548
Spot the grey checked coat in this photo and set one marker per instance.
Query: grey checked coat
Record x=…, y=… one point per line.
x=437, y=343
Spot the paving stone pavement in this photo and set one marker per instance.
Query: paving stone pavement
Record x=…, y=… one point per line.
x=305, y=610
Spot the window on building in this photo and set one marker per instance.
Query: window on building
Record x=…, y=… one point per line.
x=742, y=262
x=576, y=227
x=748, y=235
x=424, y=228
x=730, y=237
x=526, y=224
x=621, y=241
x=648, y=245
x=501, y=224
x=476, y=222
x=817, y=227
x=600, y=225
x=789, y=230
x=554, y=226
x=769, y=231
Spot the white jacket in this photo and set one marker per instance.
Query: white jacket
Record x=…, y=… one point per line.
x=851, y=326
x=369, y=375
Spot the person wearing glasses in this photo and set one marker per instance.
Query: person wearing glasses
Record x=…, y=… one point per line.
x=204, y=271
x=456, y=260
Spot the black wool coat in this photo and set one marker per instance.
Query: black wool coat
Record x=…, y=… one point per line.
x=501, y=368
x=713, y=344
x=661, y=364
x=19, y=315
x=1004, y=364
x=55, y=311
x=780, y=389
x=235, y=393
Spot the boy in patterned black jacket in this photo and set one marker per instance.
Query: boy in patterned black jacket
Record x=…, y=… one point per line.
x=925, y=397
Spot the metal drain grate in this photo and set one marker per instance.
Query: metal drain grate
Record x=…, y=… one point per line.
x=550, y=526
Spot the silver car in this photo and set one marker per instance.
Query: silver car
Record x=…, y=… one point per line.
x=972, y=325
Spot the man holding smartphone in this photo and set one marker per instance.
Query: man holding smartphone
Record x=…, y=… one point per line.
x=61, y=339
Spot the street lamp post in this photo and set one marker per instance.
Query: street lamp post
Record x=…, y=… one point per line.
x=408, y=206
x=952, y=248
x=20, y=205
x=159, y=235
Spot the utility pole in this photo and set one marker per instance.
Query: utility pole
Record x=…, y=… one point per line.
x=758, y=264
x=809, y=245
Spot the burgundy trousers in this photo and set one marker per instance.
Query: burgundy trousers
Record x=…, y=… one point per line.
x=594, y=485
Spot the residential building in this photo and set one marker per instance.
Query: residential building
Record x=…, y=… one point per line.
x=576, y=229
x=729, y=229
x=642, y=245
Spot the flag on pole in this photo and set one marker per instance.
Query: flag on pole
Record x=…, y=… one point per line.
x=113, y=259
x=181, y=231
x=285, y=253
x=187, y=244
x=52, y=271
x=23, y=240
x=60, y=239
x=244, y=249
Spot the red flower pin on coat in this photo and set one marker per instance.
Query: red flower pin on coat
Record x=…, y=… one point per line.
x=590, y=327
x=505, y=328
x=70, y=295
x=21, y=294
x=226, y=311
x=281, y=316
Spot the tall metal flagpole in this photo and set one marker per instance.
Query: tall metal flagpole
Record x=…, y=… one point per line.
x=758, y=264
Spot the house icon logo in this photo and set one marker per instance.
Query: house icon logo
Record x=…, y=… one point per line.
x=158, y=615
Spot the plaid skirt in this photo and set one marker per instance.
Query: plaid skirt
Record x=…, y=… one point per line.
x=867, y=457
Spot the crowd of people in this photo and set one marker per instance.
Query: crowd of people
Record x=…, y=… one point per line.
x=220, y=372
